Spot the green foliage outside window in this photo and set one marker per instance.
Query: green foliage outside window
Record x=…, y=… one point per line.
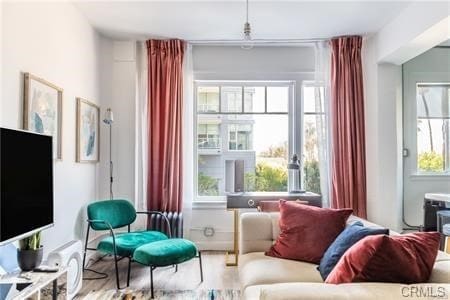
x=311, y=172
x=266, y=178
x=431, y=162
x=207, y=185
x=276, y=151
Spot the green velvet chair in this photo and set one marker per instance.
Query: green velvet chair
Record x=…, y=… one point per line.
x=112, y=214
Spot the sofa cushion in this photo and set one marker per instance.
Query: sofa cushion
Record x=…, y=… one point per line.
x=307, y=231
x=256, y=268
x=407, y=258
x=166, y=252
x=128, y=242
x=441, y=269
x=347, y=238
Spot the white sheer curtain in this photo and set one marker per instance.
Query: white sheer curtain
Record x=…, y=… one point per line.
x=188, y=138
x=141, y=131
x=322, y=96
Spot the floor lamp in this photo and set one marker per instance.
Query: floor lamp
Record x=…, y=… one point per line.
x=108, y=120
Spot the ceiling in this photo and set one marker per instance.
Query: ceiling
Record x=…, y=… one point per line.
x=198, y=20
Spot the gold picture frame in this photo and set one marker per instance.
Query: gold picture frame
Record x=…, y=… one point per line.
x=42, y=110
x=87, y=132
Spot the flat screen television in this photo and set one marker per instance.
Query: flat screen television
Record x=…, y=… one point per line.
x=26, y=184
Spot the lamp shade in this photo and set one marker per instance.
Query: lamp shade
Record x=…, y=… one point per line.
x=109, y=116
x=294, y=183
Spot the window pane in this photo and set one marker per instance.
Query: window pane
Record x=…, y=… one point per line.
x=313, y=99
x=270, y=143
x=277, y=99
x=260, y=141
x=208, y=99
x=433, y=101
x=311, y=137
x=433, y=128
x=254, y=99
x=232, y=99
x=432, y=145
x=209, y=176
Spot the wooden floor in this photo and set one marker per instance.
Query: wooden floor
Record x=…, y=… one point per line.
x=216, y=275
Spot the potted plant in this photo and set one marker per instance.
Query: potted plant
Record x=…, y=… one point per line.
x=29, y=254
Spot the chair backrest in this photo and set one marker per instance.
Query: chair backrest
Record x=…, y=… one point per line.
x=118, y=213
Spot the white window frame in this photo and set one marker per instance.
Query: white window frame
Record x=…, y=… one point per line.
x=294, y=121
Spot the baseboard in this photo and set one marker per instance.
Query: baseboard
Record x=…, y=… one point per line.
x=214, y=245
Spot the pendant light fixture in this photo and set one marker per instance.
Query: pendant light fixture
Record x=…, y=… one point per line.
x=247, y=42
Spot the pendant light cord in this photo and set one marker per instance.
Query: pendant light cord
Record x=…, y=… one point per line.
x=247, y=12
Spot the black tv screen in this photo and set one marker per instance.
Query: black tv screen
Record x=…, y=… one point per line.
x=26, y=183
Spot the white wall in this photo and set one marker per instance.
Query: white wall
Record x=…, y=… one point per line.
x=55, y=42
x=234, y=63
x=431, y=66
x=383, y=55
x=119, y=95
x=383, y=112
x=420, y=26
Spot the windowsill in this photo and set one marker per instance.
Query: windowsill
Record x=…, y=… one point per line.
x=429, y=176
x=209, y=204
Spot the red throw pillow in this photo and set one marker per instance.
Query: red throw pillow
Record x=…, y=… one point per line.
x=307, y=231
x=407, y=258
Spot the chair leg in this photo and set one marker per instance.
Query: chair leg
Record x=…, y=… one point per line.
x=129, y=271
x=176, y=268
x=201, y=267
x=151, y=282
x=85, y=246
x=117, y=272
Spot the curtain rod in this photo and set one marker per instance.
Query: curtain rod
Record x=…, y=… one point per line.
x=256, y=42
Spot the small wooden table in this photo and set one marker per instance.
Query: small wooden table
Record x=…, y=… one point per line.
x=235, y=251
x=41, y=286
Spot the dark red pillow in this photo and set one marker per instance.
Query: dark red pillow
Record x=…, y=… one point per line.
x=407, y=258
x=307, y=231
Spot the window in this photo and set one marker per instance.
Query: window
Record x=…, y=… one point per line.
x=433, y=128
x=314, y=132
x=243, y=122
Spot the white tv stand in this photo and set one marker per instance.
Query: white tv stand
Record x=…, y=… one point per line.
x=42, y=286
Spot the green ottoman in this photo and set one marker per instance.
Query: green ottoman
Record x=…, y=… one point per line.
x=166, y=253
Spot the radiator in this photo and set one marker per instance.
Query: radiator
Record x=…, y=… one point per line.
x=156, y=222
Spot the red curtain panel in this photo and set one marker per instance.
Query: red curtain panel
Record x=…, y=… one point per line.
x=165, y=113
x=347, y=119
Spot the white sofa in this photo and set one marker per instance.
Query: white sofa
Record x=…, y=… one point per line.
x=265, y=277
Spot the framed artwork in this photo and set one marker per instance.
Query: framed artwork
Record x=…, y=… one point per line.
x=88, y=129
x=42, y=110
